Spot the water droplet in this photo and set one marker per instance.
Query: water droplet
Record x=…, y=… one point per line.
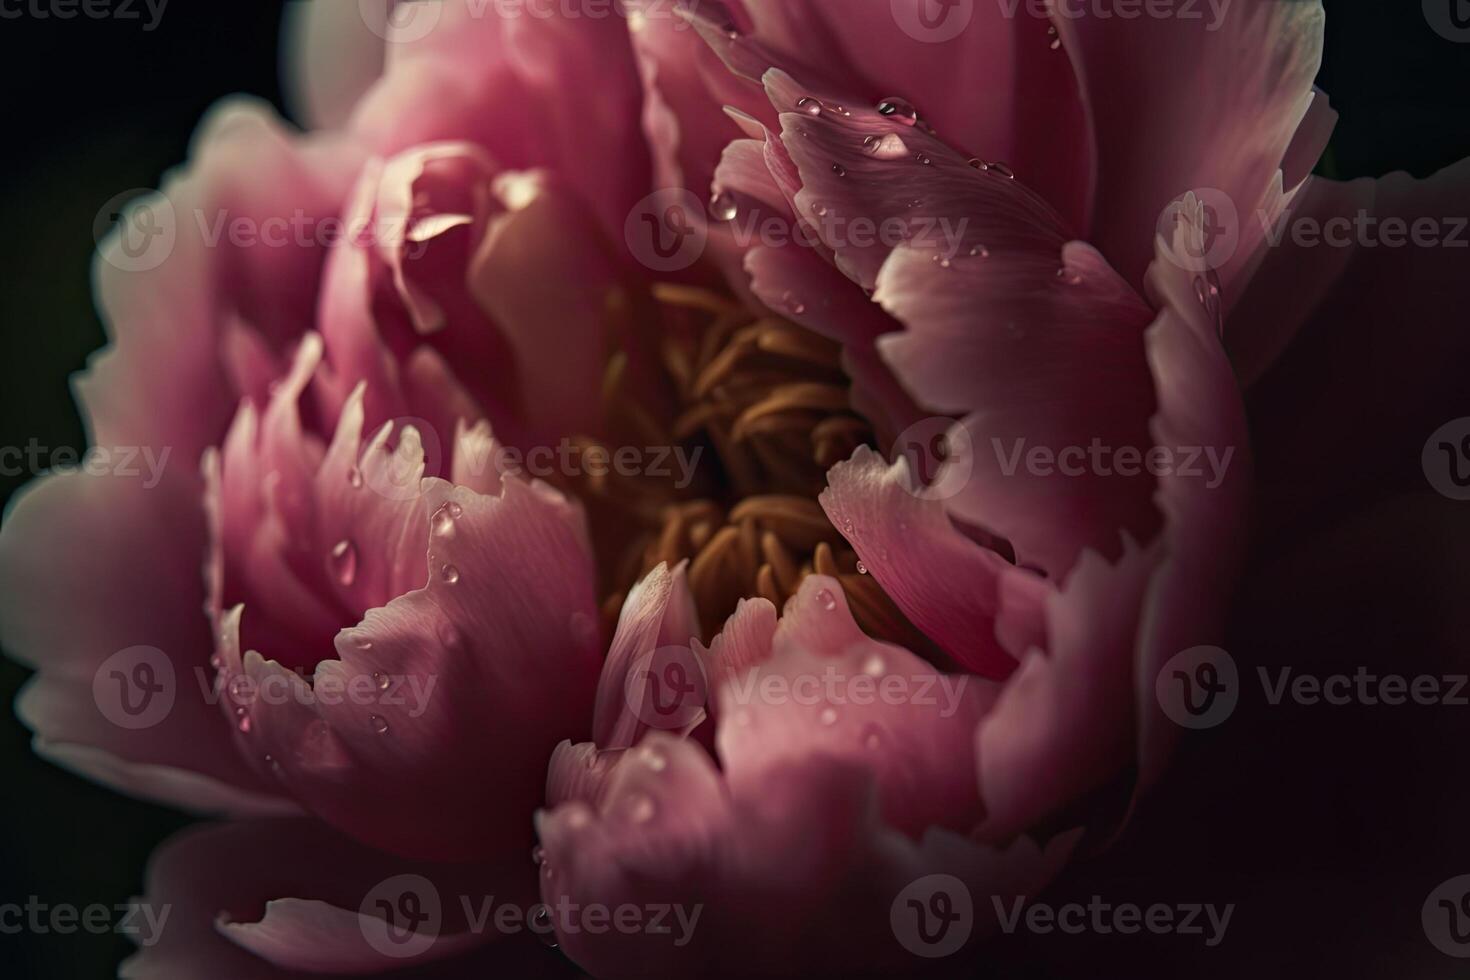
x=887, y=147
x=819, y=209
x=722, y=206
x=449, y=574
x=354, y=478
x=541, y=921
x=1056, y=41
x=899, y=109
x=382, y=680
x=862, y=569
x=827, y=599
x=1003, y=170
x=216, y=661
x=828, y=716
x=943, y=261
x=979, y=251
x=874, y=665
x=978, y=163
x=448, y=635
x=925, y=159
x=793, y=303
x=378, y=724
x=361, y=642
x=443, y=522
x=641, y=808
x=455, y=510
x=538, y=855
x=655, y=760
x=242, y=720
x=810, y=106
x=344, y=562
x=872, y=736
x=839, y=170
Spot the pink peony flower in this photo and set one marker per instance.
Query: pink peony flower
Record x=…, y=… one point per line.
x=815, y=591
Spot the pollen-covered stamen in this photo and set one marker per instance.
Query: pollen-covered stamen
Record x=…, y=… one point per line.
x=765, y=404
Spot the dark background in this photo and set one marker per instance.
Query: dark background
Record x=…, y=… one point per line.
x=96, y=107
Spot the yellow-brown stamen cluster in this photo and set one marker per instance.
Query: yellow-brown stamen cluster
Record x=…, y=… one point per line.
x=766, y=404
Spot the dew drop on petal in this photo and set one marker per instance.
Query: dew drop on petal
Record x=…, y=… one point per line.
x=378, y=724
x=344, y=562
x=874, y=665
x=381, y=680
x=793, y=303
x=887, y=147
x=242, y=720
x=872, y=736
x=1003, y=170
x=810, y=106
x=898, y=109
x=839, y=170
x=538, y=855
x=541, y=926
x=655, y=760
x=722, y=206
x=361, y=642
x=444, y=522
x=828, y=716
x=862, y=569
x=641, y=808
x=448, y=635
x=354, y=478
x=449, y=574
x=827, y=599
x=979, y=251
x=924, y=159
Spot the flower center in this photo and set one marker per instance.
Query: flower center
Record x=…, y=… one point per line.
x=753, y=411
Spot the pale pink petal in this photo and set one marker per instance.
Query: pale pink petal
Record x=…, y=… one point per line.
x=1231, y=134
x=333, y=52
x=978, y=607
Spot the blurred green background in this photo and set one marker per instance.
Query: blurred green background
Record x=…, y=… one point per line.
x=95, y=107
